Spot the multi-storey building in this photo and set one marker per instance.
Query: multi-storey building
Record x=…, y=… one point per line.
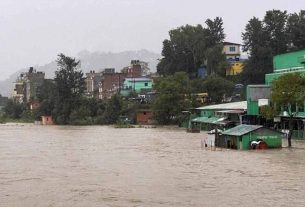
x=232, y=52
x=92, y=83
x=137, y=85
x=103, y=85
x=136, y=69
x=111, y=83
x=27, y=85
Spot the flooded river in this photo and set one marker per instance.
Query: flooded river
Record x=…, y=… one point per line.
x=103, y=166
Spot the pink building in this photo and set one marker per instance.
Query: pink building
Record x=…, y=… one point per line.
x=47, y=120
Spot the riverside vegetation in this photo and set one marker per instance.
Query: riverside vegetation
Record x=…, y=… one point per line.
x=187, y=49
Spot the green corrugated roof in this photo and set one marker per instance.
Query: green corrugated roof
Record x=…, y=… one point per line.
x=241, y=130
x=200, y=119
x=211, y=120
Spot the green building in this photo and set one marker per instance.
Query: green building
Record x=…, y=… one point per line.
x=240, y=137
x=136, y=85
x=255, y=95
x=292, y=62
x=221, y=115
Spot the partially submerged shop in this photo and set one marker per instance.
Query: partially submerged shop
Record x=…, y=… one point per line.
x=245, y=137
x=221, y=115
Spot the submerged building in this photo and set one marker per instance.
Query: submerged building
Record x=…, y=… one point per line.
x=241, y=137
x=225, y=115
x=292, y=62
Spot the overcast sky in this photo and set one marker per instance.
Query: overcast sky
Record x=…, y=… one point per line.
x=33, y=32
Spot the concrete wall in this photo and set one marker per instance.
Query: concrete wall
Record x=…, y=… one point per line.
x=47, y=120
x=288, y=60
x=227, y=51
x=143, y=117
x=272, y=138
x=235, y=68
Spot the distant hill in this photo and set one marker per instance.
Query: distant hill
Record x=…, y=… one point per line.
x=90, y=61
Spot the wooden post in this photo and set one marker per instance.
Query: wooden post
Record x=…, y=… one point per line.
x=216, y=137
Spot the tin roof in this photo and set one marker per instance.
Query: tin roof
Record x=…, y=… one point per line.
x=240, y=105
x=138, y=79
x=200, y=119
x=231, y=111
x=230, y=43
x=241, y=130
x=211, y=120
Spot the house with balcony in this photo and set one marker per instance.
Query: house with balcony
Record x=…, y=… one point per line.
x=111, y=84
x=136, y=85
x=232, y=52
x=27, y=85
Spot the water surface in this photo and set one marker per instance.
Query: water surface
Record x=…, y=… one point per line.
x=103, y=166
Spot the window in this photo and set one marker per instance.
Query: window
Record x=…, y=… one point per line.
x=232, y=49
x=145, y=84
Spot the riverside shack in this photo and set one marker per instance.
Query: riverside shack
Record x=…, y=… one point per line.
x=240, y=137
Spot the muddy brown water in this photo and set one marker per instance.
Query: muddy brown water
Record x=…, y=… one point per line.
x=103, y=166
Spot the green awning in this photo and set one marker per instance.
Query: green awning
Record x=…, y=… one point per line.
x=207, y=120
x=213, y=120
x=200, y=119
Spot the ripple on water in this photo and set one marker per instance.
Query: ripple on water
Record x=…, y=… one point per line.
x=96, y=166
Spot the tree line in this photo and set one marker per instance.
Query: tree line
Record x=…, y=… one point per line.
x=278, y=32
x=187, y=49
x=191, y=47
x=63, y=99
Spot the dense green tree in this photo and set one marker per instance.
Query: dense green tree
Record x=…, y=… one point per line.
x=89, y=111
x=275, y=29
x=186, y=49
x=47, y=96
x=216, y=63
x=70, y=86
x=215, y=32
x=173, y=97
x=218, y=88
x=259, y=39
x=277, y=33
x=296, y=31
x=81, y=116
x=113, y=110
x=254, y=36
x=183, y=51
x=288, y=92
x=13, y=109
x=198, y=86
x=260, y=56
x=257, y=66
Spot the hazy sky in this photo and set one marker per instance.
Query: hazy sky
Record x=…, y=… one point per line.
x=33, y=32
